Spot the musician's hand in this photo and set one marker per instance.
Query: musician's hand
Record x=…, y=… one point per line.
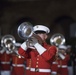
x=29, y=43
x=32, y=41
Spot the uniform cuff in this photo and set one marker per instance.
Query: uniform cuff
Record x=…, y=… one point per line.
x=62, y=56
x=24, y=46
x=39, y=48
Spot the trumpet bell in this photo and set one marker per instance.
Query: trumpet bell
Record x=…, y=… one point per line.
x=7, y=39
x=57, y=39
x=25, y=30
x=11, y=47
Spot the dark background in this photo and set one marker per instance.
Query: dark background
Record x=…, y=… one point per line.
x=58, y=15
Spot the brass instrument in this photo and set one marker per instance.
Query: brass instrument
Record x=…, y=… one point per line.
x=8, y=40
x=8, y=43
x=26, y=32
x=57, y=39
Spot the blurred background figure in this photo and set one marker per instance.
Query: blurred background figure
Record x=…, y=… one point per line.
x=63, y=60
x=7, y=42
x=70, y=62
x=0, y=58
x=18, y=66
x=75, y=63
x=5, y=59
x=58, y=40
x=54, y=67
x=28, y=66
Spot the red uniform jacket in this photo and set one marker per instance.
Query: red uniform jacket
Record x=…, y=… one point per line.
x=5, y=61
x=18, y=65
x=62, y=65
x=54, y=67
x=28, y=66
x=0, y=61
x=42, y=61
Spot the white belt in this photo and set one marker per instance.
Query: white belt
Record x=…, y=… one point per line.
x=5, y=62
x=40, y=70
x=63, y=66
x=54, y=63
x=27, y=68
x=54, y=72
x=18, y=65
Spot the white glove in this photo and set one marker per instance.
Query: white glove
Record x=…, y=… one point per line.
x=29, y=43
x=33, y=40
x=2, y=51
x=40, y=48
x=24, y=46
x=8, y=52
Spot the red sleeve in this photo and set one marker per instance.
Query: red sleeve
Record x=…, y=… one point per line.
x=23, y=52
x=50, y=53
x=67, y=58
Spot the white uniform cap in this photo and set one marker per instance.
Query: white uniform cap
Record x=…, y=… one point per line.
x=17, y=44
x=62, y=47
x=41, y=28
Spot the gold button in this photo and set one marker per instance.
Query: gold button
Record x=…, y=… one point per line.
x=36, y=65
x=37, y=58
x=37, y=62
x=38, y=55
x=19, y=56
